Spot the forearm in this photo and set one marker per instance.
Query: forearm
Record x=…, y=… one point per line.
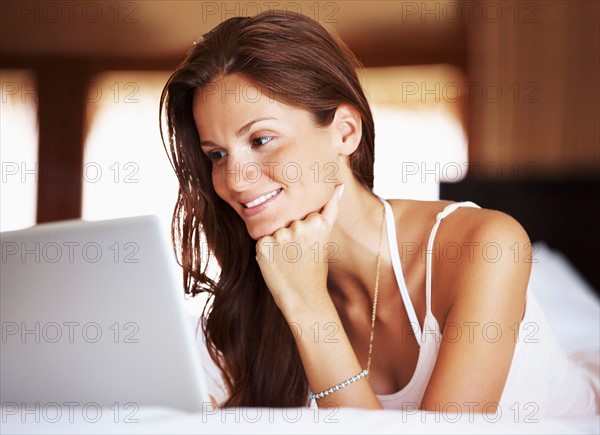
x=328, y=358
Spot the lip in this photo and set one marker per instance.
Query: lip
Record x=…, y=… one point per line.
x=246, y=199
x=249, y=212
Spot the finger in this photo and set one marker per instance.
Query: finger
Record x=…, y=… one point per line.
x=331, y=209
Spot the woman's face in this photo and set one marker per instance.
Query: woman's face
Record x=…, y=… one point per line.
x=271, y=162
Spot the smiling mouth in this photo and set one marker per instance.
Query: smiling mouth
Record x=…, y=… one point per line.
x=262, y=199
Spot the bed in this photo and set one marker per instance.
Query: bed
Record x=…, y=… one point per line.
x=575, y=318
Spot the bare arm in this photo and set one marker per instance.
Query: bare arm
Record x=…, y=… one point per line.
x=329, y=359
x=300, y=291
x=487, y=292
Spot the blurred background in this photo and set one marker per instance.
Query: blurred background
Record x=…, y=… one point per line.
x=497, y=102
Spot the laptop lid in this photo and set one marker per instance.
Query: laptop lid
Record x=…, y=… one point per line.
x=91, y=313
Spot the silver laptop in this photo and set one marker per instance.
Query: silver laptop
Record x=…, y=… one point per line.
x=91, y=313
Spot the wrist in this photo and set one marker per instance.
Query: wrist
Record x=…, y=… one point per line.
x=303, y=309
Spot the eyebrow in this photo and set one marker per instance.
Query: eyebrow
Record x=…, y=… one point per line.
x=240, y=132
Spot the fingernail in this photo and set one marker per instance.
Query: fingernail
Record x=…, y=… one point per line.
x=341, y=191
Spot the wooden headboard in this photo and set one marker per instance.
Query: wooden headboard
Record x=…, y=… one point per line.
x=563, y=213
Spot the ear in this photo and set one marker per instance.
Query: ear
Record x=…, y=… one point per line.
x=348, y=125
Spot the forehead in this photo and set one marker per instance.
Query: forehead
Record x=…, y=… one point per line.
x=230, y=97
x=231, y=101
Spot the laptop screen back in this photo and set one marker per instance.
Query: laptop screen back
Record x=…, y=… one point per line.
x=91, y=313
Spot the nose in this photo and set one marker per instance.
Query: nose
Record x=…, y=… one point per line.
x=240, y=172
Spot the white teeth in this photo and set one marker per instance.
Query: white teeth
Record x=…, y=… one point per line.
x=262, y=199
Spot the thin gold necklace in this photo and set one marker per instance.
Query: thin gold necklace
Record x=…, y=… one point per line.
x=374, y=314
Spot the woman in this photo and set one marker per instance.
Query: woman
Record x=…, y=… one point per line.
x=272, y=140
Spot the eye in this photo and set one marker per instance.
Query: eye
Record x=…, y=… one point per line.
x=261, y=140
x=213, y=156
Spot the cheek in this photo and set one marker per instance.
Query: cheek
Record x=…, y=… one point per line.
x=218, y=184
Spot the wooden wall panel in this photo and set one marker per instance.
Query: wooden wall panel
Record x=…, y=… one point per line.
x=61, y=117
x=544, y=58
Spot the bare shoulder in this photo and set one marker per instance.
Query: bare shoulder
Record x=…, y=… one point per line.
x=464, y=225
x=476, y=253
x=486, y=229
x=492, y=259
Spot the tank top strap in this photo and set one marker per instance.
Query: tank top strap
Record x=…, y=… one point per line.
x=395, y=258
x=440, y=216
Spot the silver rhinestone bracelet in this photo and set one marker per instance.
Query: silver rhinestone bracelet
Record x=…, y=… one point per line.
x=339, y=386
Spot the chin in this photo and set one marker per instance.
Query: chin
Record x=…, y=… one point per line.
x=271, y=224
x=264, y=229
x=258, y=231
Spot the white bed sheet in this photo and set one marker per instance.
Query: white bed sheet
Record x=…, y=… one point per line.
x=569, y=302
x=304, y=420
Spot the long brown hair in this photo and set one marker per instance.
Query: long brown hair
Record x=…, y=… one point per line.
x=296, y=61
